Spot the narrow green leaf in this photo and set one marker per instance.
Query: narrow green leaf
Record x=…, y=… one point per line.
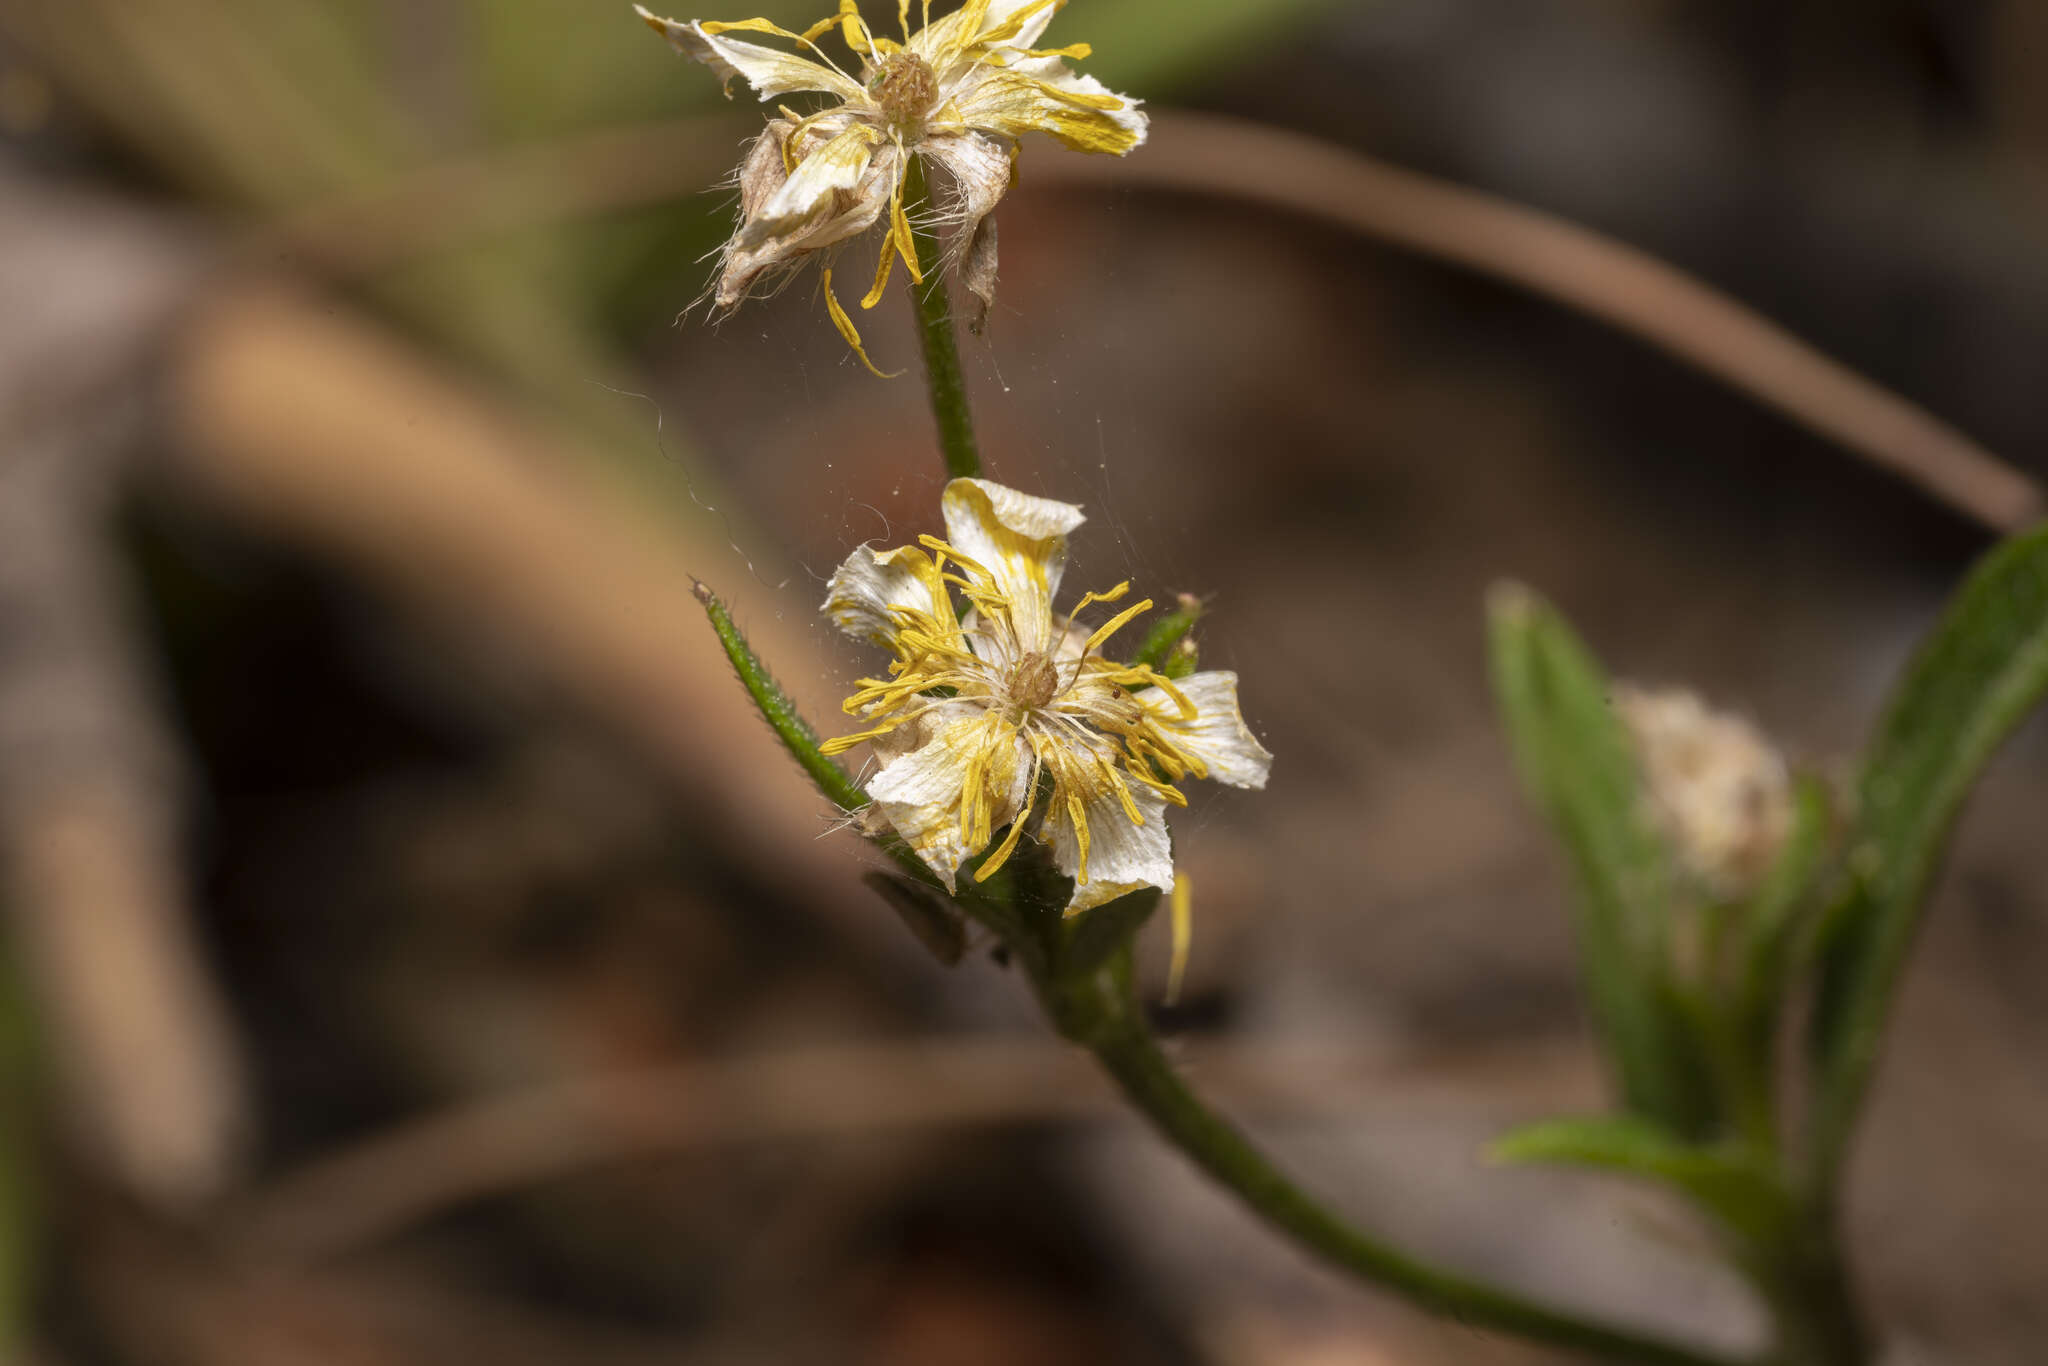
x=1578, y=767
x=1727, y=1183
x=1984, y=667
x=1776, y=919
x=778, y=711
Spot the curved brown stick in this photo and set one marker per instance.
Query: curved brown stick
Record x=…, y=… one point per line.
x=477, y=1149
x=1586, y=271
x=447, y=204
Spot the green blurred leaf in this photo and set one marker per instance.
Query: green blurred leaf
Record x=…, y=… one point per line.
x=1781, y=909
x=1578, y=767
x=1975, y=677
x=1728, y=1183
x=1166, y=633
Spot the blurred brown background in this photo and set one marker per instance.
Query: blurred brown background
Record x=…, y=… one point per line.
x=416, y=953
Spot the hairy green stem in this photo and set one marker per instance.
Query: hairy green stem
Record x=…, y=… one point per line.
x=777, y=710
x=795, y=733
x=936, y=339
x=1101, y=1012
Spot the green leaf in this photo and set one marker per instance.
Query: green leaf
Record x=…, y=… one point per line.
x=1773, y=922
x=1726, y=1182
x=1166, y=633
x=1576, y=762
x=1975, y=677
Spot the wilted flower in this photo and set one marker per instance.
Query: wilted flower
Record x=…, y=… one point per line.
x=981, y=708
x=1714, y=785
x=959, y=91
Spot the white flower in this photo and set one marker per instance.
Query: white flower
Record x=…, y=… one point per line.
x=1716, y=788
x=981, y=710
x=959, y=92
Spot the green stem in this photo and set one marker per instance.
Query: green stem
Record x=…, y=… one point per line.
x=795, y=733
x=1101, y=1012
x=935, y=338
x=1812, y=1303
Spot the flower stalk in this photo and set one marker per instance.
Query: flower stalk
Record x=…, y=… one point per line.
x=1081, y=969
x=1101, y=1012
x=937, y=341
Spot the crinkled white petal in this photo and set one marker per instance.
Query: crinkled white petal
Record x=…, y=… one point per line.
x=947, y=40
x=752, y=253
x=767, y=70
x=919, y=792
x=1035, y=15
x=1021, y=540
x=1026, y=98
x=1122, y=856
x=822, y=186
x=980, y=168
x=1218, y=735
x=871, y=587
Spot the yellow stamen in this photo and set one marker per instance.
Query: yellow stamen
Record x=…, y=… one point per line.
x=850, y=332
x=1182, y=907
x=899, y=229
x=1014, y=25
x=1003, y=851
x=792, y=146
x=1080, y=820
x=882, y=269
x=1078, y=51
x=839, y=744
x=930, y=542
x=855, y=28
x=1113, y=625
x=1122, y=790
x=1111, y=596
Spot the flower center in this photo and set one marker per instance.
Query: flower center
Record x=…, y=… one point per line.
x=905, y=88
x=1034, y=681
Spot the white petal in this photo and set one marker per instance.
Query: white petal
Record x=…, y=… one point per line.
x=1218, y=735
x=821, y=186
x=771, y=72
x=869, y=591
x=756, y=250
x=980, y=167
x=1026, y=97
x=1122, y=856
x=919, y=792
x=947, y=39
x=1021, y=540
